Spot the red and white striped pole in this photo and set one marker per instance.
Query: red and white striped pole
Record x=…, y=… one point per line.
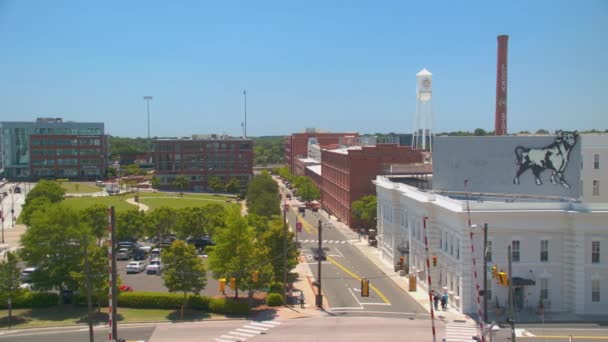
x=110, y=258
x=428, y=274
x=471, y=234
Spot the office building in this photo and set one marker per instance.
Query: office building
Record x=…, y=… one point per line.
x=296, y=144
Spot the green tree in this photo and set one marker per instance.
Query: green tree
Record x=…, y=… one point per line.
x=98, y=274
x=308, y=190
x=215, y=184
x=480, y=132
x=232, y=254
x=95, y=218
x=181, y=183
x=155, y=182
x=161, y=222
x=364, y=210
x=9, y=276
x=262, y=196
x=183, y=269
x=53, y=244
x=45, y=188
x=268, y=150
x=542, y=131
x=191, y=222
x=273, y=238
x=130, y=224
x=233, y=186
x=215, y=217
x=266, y=204
x=111, y=172
x=119, y=145
x=34, y=205
x=133, y=170
x=284, y=173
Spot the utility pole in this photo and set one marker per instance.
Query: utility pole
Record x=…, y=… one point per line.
x=319, y=299
x=245, y=123
x=285, y=207
x=87, y=280
x=485, y=272
x=510, y=320
x=147, y=99
x=113, y=278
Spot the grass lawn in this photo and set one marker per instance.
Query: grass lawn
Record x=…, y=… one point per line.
x=178, y=203
x=69, y=315
x=79, y=188
x=80, y=203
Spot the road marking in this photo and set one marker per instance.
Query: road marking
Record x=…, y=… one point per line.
x=337, y=250
x=574, y=337
x=385, y=304
x=228, y=336
x=250, y=326
x=357, y=300
x=346, y=308
x=220, y=340
x=249, y=331
x=375, y=289
x=236, y=333
x=265, y=325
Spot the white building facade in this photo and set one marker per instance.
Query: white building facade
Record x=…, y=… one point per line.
x=560, y=244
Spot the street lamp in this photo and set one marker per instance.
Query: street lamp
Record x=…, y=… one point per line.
x=147, y=99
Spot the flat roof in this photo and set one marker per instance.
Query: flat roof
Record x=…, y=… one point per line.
x=315, y=168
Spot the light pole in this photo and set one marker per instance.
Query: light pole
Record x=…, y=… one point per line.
x=245, y=124
x=147, y=99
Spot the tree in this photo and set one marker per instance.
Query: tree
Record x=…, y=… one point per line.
x=184, y=270
x=98, y=274
x=308, y=190
x=215, y=184
x=364, y=210
x=161, y=222
x=181, y=183
x=191, y=222
x=235, y=246
x=32, y=206
x=133, y=169
x=9, y=276
x=53, y=244
x=480, y=132
x=155, y=182
x=49, y=189
x=542, y=131
x=95, y=218
x=233, y=186
x=215, y=217
x=111, y=172
x=273, y=238
x=130, y=224
x=262, y=196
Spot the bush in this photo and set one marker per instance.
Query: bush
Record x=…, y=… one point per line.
x=150, y=300
x=227, y=306
x=276, y=287
x=274, y=299
x=26, y=300
x=199, y=303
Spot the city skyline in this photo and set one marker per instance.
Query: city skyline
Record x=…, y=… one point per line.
x=330, y=66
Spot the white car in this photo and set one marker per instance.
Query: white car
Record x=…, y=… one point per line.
x=26, y=274
x=153, y=267
x=135, y=267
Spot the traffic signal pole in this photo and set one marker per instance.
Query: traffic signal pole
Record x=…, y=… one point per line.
x=428, y=275
x=319, y=299
x=285, y=207
x=485, y=273
x=511, y=321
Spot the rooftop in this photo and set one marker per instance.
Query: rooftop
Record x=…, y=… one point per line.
x=315, y=168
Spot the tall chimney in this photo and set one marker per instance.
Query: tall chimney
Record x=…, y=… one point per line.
x=500, y=119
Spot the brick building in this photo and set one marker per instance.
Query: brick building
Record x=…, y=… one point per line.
x=52, y=148
x=347, y=173
x=203, y=157
x=296, y=145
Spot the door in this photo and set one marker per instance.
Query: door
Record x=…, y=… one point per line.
x=519, y=298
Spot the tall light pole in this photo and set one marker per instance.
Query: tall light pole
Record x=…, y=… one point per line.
x=245, y=123
x=147, y=99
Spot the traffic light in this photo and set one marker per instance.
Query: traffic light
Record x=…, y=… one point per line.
x=503, y=279
x=494, y=272
x=401, y=262
x=364, y=288
x=233, y=283
x=222, y=285
x=434, y=261
x=256, y=277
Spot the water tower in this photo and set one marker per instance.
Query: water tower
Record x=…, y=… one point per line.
x=423, y=126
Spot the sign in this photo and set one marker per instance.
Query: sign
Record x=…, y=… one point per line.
x=299, y=227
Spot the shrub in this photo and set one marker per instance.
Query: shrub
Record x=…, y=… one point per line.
x=150, y=300
x=276, y=287
x=26, y=300
x=227, y=306
x=199, y=303
x=274, y=299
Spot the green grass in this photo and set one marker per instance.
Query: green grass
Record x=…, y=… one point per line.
x=69, y=315
x=178, y=203
x=80, y=203
x=80, y=188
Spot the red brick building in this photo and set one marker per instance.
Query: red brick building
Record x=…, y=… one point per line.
x=296, y=145
x=347, y=173
x=201, y=159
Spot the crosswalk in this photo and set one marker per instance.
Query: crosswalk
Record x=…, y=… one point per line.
x=324, y=241
x=247, y=331
x=460, y=332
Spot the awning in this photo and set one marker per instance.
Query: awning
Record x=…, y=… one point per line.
x=518, y=281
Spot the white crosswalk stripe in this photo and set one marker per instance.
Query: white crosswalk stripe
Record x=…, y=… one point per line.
x=460, y=332
x=247, y=331
x=324, y=241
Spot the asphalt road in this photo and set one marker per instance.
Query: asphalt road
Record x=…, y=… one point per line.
x=342, y=272
x=79, y=334
x=562, y=332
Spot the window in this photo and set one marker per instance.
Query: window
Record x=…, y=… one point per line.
x=458, y=249
x=489, y=251
x=595, y=252
x=451, y=245
x=596, y=161
x=596, y=187
x=544, y=288
x=595, y=290
x=544, y=250
x=441, y=240
x=515, y=251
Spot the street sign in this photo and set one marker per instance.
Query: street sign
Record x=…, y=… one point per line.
x=299, y=226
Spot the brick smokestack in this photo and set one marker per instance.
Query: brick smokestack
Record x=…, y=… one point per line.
x=500, y=119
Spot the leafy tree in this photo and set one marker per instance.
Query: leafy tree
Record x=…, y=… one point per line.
x=273, y=239
x=480, y=132
x=524, y=132
x=215, y=184
x=120, y=145
x=133, y=170
x=161, y=222
x=262, y=196
x=259, y=223
x=155, y=182
x=95, y=218
x=111, y=172
x=542, y=131
x=284, y=173
x=9, y=275
x=268, y=150
x=52, y=190
x=98, y=274
x=266, y=204
x=33, y=205
x=364, y=210
x=53, y=244
x=184, y=270
x=215, y=217
x=233, y=186
x=308, y=190
x=181, y=183
x=190, y=222
x=232, y=254
x=130, y=224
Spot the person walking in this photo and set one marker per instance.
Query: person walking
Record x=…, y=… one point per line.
x=436, y=301
x=301, y=300
x=444, y=302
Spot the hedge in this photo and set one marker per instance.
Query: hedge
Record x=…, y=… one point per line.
x=28, y=299
x=274, y=299
x=276, y=287
x=227, y=306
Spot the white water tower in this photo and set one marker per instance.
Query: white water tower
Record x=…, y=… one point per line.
x=423, y=126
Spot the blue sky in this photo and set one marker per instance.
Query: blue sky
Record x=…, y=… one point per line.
x=337, y=65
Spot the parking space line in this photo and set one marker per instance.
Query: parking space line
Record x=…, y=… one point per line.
x=357, y=300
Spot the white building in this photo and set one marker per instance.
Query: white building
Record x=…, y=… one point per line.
x=560, y=243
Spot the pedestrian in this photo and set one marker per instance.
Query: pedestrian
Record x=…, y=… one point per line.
x=301, y=299
x=444, y=302
x=436, y=300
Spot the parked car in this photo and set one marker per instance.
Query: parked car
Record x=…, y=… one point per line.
x=26, y=274
x=140, y=254
x=125, y=288
x=124, y=254
x=319, y=254
x=201, y=242
x=153, y=267
x=135, y=267
x=155, y=253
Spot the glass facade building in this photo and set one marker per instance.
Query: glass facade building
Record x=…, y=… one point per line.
x=51, y=148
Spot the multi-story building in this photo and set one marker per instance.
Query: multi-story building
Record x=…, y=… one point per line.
x=556, y=236
x=594, y=166
x=203, y=157
x=296, y=145
x=52, y=148
x=347, y=173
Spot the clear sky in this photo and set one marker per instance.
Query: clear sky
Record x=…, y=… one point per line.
x=337, y=65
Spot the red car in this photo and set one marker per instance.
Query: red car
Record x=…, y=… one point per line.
x=125, y=288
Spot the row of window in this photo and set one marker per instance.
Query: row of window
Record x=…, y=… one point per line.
x=544, y=251
x=65, y=152
x=66, y=142
x=214, y=146
x=210, y=166
x=63, y=130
